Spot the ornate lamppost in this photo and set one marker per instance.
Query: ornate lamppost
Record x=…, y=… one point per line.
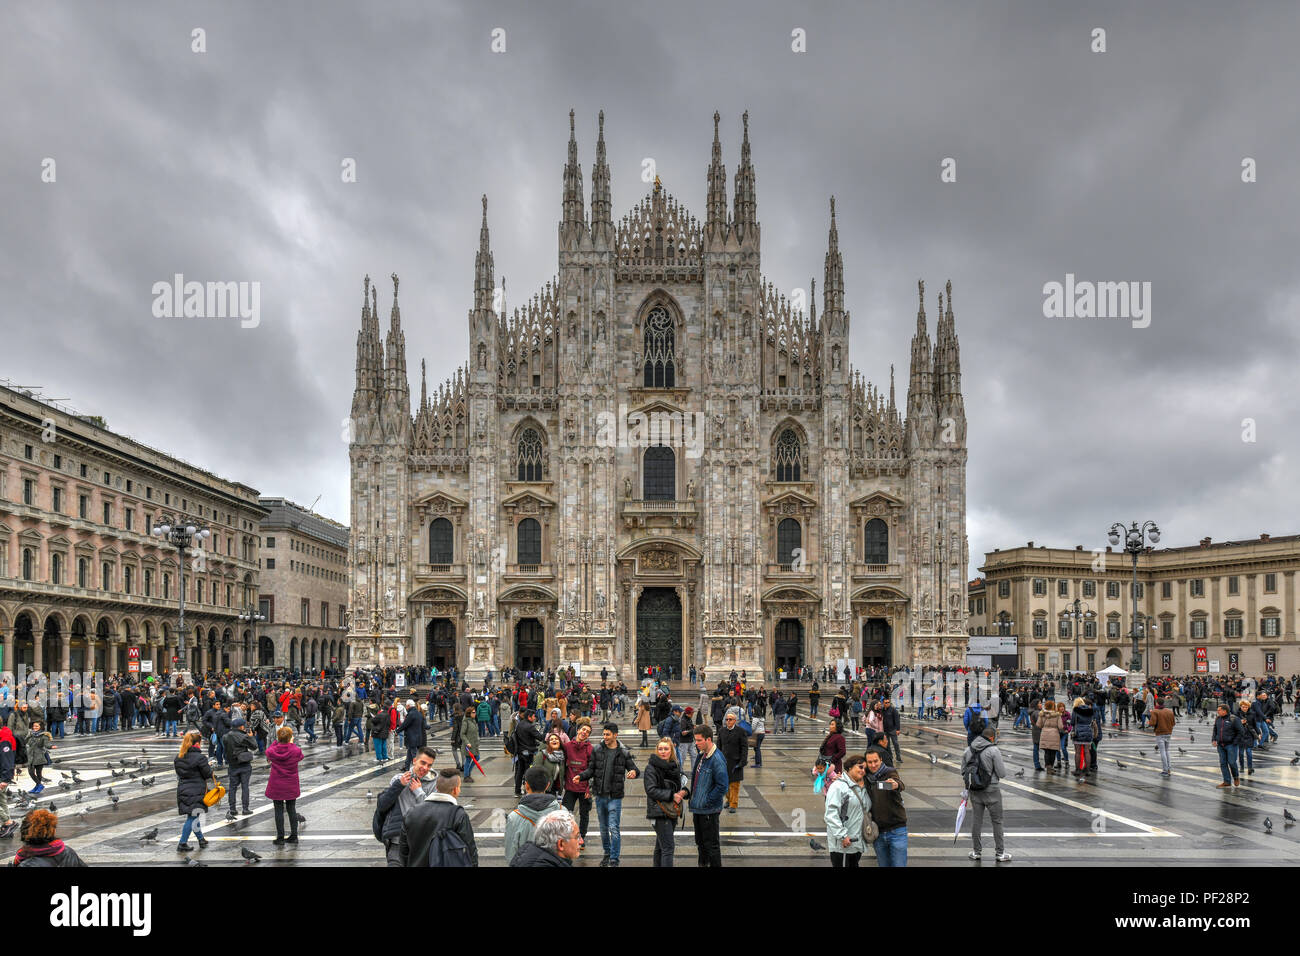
x=250, y=616
x=1135, y=539
x=1078, y=611
x=180, y=533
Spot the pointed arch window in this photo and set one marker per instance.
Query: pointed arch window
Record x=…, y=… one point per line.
x=660, y=474
x=660, y=349
x=787, y=455
x=529, y=541
x=875, y=546
x=528, y=456
x=789, y=538
x=440, y=541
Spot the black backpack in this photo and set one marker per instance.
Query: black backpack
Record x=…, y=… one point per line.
x=377, y=823
x=977, y=724
x=446, y=848
x=974, y=775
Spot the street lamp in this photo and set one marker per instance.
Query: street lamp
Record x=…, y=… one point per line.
x=180, y=533
x=1079, y=612
x=250, y=616
x=1149, y=630
x=1135, y=539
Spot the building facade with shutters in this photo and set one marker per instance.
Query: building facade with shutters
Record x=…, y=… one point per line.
x=82, y=580
x=1227, y=605
x=304, y=589
x=658, y=459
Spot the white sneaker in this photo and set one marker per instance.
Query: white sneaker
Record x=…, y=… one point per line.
x=1004, y=857
x=973, y=855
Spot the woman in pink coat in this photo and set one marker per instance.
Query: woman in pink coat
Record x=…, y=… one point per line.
x=282, y=786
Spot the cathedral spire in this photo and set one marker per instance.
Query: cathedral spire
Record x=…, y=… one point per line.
x=746, y=206
x=833, y=293
x=483, y=266
x=424, y=386
x=602, y=214
x=715, y=225
x=574, y=222
x=947, y=364
x=919, y=389
x=812, y=303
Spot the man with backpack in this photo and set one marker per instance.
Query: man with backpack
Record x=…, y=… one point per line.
x=437, y=831
x=981, y=769
x=974, y=722
x=404, y=793
x=536, y=803
x=671, y=725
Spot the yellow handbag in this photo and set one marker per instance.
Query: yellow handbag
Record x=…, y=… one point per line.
x=214, y=796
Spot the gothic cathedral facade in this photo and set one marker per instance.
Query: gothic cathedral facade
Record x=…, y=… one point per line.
x=658, y=459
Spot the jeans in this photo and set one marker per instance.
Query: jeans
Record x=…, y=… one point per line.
x=1114, y=712
x=1022, y=716
x=789, y=723
x=892, y=740
x=56, y=729
x=354, y=724
x=483, y=728
x=609, y=811
x=574, y=801
x=309, y=726
x=1037, y=765
x=991, y=800
x=1228, y=762
x=684, y=755
x=664, y=841
x=757, y=741
x=410, y=759
x=192, y=823
x=281, y=806
x=239, y=780
x=812, y=710
x=891, y=847
x=1162, y=747
x=381, y=748
x=219, y=748
x=1246, y=756
x=708, y=838
x=169, y=728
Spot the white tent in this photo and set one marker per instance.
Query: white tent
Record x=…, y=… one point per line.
x=1113, y=671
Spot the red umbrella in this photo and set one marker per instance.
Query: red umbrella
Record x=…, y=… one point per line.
x=476, y=763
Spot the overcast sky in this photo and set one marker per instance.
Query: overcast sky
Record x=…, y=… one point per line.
x=1117, y=166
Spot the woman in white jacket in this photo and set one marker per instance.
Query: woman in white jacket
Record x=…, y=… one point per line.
x=846, y=806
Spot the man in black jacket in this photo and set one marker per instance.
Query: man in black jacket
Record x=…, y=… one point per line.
x=404, y=793
x=438, y=811
x=1228, y=735
x=414, y=730
x=611, y=765
x=239, y=749
x=734, y=744
x=889, y=724
x=528, y=739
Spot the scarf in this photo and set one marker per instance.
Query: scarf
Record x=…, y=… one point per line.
x=26, y=852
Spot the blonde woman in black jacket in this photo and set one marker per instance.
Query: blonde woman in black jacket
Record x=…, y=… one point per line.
x=665, y=799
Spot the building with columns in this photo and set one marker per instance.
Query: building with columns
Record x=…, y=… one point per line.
x=659, y=458
x=1233, y=600
x=82, y=580
x=304, y=589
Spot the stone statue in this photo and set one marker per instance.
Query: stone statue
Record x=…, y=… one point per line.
x=719, y=429
x=600, y=603
x=749, y=603
x=690, y=489
x=388, y=598
x=627, y=486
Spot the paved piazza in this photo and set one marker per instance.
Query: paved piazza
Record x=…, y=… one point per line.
x=1128, y=817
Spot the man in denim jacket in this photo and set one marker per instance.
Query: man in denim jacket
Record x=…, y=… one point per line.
x=708, y=793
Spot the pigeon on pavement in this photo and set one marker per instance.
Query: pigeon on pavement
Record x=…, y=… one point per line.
x=1182, y=751
x=249, y=855
x=150, y=834
x=1020, y=772
x=933, y=760
x=1288, y=816
x=815, y=845
x=1122, y=766
x=1268, y=824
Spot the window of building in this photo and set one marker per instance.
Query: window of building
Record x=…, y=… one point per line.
x=270, y=542
x=1004, y=589
x=1166, y=589
x=789, y=538
x=106, y=577
x=1197, y=587
x=1065, y=660
x=787, y=459
x=83, y=506
x=1092, y=662
x=56, y=496
x=1040, y=587
x=1167, y=630
x=266, y=607
x=305, y=612
x=127, y=579
x=108, y=512
x=528, y=541
x=324, y=614
x=1198, y=629
x=528, y=456
x=1062, y=628
x=1271, y=627
x=29, y=491
x=148, y=582
x=1042, y=661
x=1040, y=627
x=85, y=471
x=1090, y=589
x=130, y=519
x=876, y=543
x=660, y=349
x=27, y=452
x=1090, y=629
x=167, y=585
x=1112, y=628
x=1232, y=627
x=129, y=484
x=29, y=564
x=440, y=541
x=1139, y=590
x=56, y=569
x=1270, y=583
x=1062, y=588
x=660, y=465
x=1112, y=589
x=108, y=479
x=148, y=493
x=83, y=572
x=1234, y=586
x=270, y=564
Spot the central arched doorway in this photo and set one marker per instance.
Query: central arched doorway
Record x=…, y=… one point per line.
x=1114, y=657
x=877, y=641
x=440, y=643
x=530, y=644
x=265, y=652
x=788, y=651
x=659, y=630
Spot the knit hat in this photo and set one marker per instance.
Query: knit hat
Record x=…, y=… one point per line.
x=237, y=723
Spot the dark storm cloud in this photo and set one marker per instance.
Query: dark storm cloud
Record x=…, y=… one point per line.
x=1116, y=166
